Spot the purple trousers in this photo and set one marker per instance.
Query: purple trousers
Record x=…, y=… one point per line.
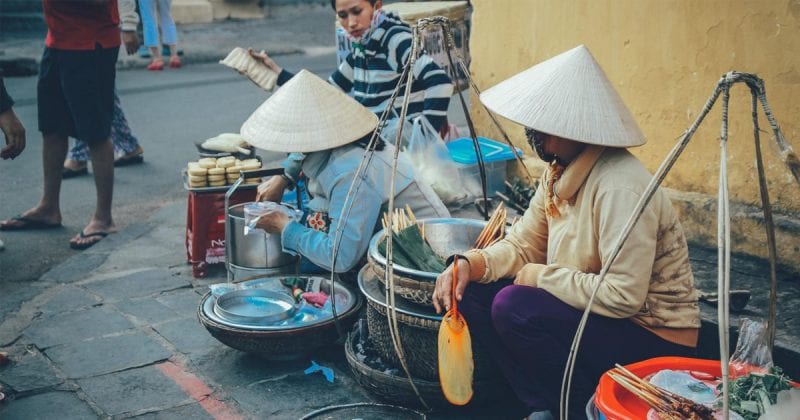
x=528, y=333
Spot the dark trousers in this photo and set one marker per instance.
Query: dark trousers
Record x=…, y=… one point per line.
x=528, y=332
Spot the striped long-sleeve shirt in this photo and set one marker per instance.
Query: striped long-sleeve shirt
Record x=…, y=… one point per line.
x=371, y=72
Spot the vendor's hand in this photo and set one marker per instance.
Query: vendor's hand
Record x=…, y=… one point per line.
x=14, y=133
x=529, y=274
x=264, y=58
x=271, y=189
x=273, y=221
x=442, y=294
x=131, y=41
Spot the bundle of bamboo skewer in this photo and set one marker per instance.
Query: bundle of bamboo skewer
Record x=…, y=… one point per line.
x=401, y=219
x=494, y=230
x=669, y=406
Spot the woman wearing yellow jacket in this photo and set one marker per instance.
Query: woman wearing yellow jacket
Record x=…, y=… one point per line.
x=523, y=297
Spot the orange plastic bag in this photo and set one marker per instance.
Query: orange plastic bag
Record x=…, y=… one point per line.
x=455, y=352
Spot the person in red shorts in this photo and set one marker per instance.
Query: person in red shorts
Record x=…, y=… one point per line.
x=76, y=98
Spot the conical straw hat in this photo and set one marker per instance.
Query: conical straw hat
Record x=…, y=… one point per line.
x=306, y=115
x=568, y=96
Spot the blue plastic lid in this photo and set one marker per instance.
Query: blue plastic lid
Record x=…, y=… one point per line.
x=463, y=151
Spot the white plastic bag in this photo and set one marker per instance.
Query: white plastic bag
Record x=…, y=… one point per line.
x=432, y=162
x=253, y=211
x=389, y=132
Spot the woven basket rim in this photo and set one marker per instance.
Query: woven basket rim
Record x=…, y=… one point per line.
x=408, y=282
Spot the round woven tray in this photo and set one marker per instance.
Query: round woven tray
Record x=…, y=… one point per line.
x=392, y=385
x=281, y=344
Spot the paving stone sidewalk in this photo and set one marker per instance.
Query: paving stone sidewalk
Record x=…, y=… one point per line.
x=114, y=335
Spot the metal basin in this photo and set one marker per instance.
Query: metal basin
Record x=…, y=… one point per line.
x=257, y=250
x=446, y=236
x=255, y=306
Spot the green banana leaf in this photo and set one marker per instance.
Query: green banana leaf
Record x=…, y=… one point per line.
x=412, y=251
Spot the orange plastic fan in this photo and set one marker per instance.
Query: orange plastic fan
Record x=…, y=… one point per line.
x=455, y=352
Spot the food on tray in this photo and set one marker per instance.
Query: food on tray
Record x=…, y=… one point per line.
x=218, y=172
x=197, y=171
x=207, y=163
x=241, y=60
x=227, y=142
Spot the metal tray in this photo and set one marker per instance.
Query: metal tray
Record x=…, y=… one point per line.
x=346, y=299
x=255, y=306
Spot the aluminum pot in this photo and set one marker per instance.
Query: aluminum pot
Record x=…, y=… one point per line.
x=255, y=250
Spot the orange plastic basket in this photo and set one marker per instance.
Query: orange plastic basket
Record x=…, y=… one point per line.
x=616, y=403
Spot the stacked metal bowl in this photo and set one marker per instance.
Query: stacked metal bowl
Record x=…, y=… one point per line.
x=261, y=316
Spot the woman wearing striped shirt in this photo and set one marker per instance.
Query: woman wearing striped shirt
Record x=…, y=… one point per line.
x=381, y=47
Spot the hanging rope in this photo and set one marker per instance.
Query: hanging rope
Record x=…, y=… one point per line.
x=724, y=254
x=391, y=308
x=358, y=180
x=768, y=224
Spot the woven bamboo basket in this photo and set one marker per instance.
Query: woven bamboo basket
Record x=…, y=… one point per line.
x=418, y=328
x=392, y=386
x=411, y=289
x=280, y=344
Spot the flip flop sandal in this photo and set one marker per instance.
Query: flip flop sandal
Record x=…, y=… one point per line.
x=75, y=245
x=67, y=173
x=25, y=223
x=131, y=160
x=156, y=65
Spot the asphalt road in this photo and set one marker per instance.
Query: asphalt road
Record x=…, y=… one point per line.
x=168, y=111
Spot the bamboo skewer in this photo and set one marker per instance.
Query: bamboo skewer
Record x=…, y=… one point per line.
x=494, y=229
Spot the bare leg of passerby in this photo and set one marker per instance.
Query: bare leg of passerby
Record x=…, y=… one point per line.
x=101, y=224
x=48, y=212
x=158, y=60
x=174, y=60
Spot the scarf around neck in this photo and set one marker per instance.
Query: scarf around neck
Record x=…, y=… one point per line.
x=563, y=182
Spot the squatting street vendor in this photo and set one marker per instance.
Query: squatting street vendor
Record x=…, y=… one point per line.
x=311, y=116
x=523, y=296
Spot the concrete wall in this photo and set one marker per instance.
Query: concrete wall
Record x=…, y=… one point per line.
x=665, y=58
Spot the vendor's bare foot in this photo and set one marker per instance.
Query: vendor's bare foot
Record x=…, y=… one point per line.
x=34, y=218
x=93, y=233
